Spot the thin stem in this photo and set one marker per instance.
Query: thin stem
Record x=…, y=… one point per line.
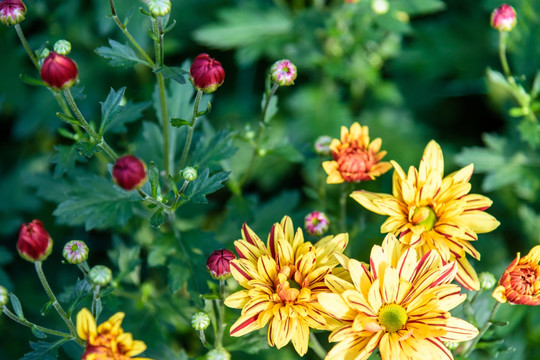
x=26, y=46
x=25, y=322
x=262, y=126
x=79, y=116
x=55, y=303
x=202, y=336
x=164, y=121
x=316, y=346
x=66, y=110
x=95, y=299
x=191, y=130
x=343, y=207
x=221, y=315
x=130, y=38
x=321, y=185
x=485, y=328
x=502, y=54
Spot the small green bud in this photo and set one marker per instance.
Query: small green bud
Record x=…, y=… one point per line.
x=3, y=296
x=75, y=252
x=218, y=354
x=62, y=47
x=189, y=173
x=322, y=145
x=200, y=321
x=451, y=345
x=486, y=280
x=380, y=7
x=100, y=275
x=44, y=53
x=159, y=7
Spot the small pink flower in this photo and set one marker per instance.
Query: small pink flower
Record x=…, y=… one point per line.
x=59, y=71
x=34, y=243
x=75, y=252
x=206, y=73
x=129, y=172
x=218, y=264
x=12, y=12
x=283, y=72
x=316, y=223
x=504, y=18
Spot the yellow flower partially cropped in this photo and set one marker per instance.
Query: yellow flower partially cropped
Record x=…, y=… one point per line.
x=430, y=211
x=399, y=304
x=281, y=282
x=107, y=341
x=355, y=157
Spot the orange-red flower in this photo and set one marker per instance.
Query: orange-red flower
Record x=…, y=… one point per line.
x=355, y=157
x=520, y=283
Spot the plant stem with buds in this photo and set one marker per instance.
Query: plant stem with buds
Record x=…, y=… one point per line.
x=482, y=331
x=25, y=322
x=191, y=130
x=26, y=46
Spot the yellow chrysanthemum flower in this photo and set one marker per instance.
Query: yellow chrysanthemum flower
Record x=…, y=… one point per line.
x=430, y=212
x=399, y=304
x=107, y=341
x=355, y=157
x=282, y=281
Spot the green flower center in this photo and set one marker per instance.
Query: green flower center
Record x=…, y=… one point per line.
x=424, y=215
x=392, y=317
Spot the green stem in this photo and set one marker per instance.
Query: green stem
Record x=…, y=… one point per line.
x=25, y=322
x=316, y=346
x=262, y=126
x=321, y=185
x=95, y=299
x=482, y=331
x=66, y=110
x=55, y=303
x=130, y=38
x=191, y=130
x=79, y=116
x=205, y=343
x=221, y=315
x=502, y=54
x=26, y=46
x=343, y=207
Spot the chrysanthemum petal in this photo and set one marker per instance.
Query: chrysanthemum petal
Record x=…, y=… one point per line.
x=86, y=325
x=479, y=221
x=238, y=299
x=466, y=276
x=244, y=325
x=367, y=199
x=459, y=330
x=336, y=306
x=300, y=339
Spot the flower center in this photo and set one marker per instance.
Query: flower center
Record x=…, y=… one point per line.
x=424, y=216
x=526, y=280
x=392, y=317
x=355, y=163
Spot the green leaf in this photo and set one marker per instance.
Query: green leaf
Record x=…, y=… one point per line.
x=178, y=275
x=96, y=203
x=173, y=72
x=127, y=259
x=284, y=149
x=74, y=294
x=197, y=190
x=177, y=122
x=220, y=147
x=69, y=119
x=169, y=27
x=420, y=7
x=38, y=333
x=271, y=109
x=172, y=185
x=46, y=308
x=153, y=177
x=67, y=134
x=498, y=79
x=29, y=80
x=111, y=107
x=119, y=54
x=131, y=112
x=64, y=159
x=43, y=350
x=157, y=219
x=530, y=132
x=129, y=14
x=87, y=149
x=17, y=307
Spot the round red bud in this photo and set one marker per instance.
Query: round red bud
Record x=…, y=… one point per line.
x=129, y=172
x=34, y=243
x=218, y=264
x=206, y=73
x=59, y=71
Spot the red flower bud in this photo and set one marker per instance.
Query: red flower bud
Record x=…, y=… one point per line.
x=12, y=12
x=504, y=18
x=218, y=264
x=206, y=73
x=59, y=71
x=129, y=172
x=34, y=243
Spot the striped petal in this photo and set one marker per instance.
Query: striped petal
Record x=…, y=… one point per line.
x=459, y=330
x=244, y=325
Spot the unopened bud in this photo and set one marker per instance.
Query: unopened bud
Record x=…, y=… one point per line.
x=283, y=72
x=316, y=223
x=43, y=53
x=451, y=345
x=486, y=280
x=3, y=296
x=100, y=275
x=12, y=12
x=129, y=172
x=322, y=145
x=504, y=18
x=380, y=7
x=59, y=71
x=75, y=252
x=159, y=7
x=34, y=243
x=218, y=354
x=189, y=173
x=218, y=264
x=200, y=321
x=62, y=47
x=206, y=73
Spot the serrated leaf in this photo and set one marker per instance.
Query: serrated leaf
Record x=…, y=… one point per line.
x=529, y=131
x=64, y=159
x=131, y=112
x=119, y=54
x=177, y=122
x=157, y=219
x=178, y=275
x=173, y=72
x=87, y=149
x=153, y=178
x=111, y=107
x=220, y=147
x=127, y=259
x=197, y=190
x=43, y=350
x=96, y=203
x=17, y=307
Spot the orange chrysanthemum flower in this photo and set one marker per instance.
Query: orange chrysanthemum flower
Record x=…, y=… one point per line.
x=400, y=304
x=520, y=283
x=430, y=211
x=282, y=281
x=107, y=341
x=355, y=157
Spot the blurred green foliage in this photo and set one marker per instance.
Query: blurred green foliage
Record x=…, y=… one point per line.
x=423, y=69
